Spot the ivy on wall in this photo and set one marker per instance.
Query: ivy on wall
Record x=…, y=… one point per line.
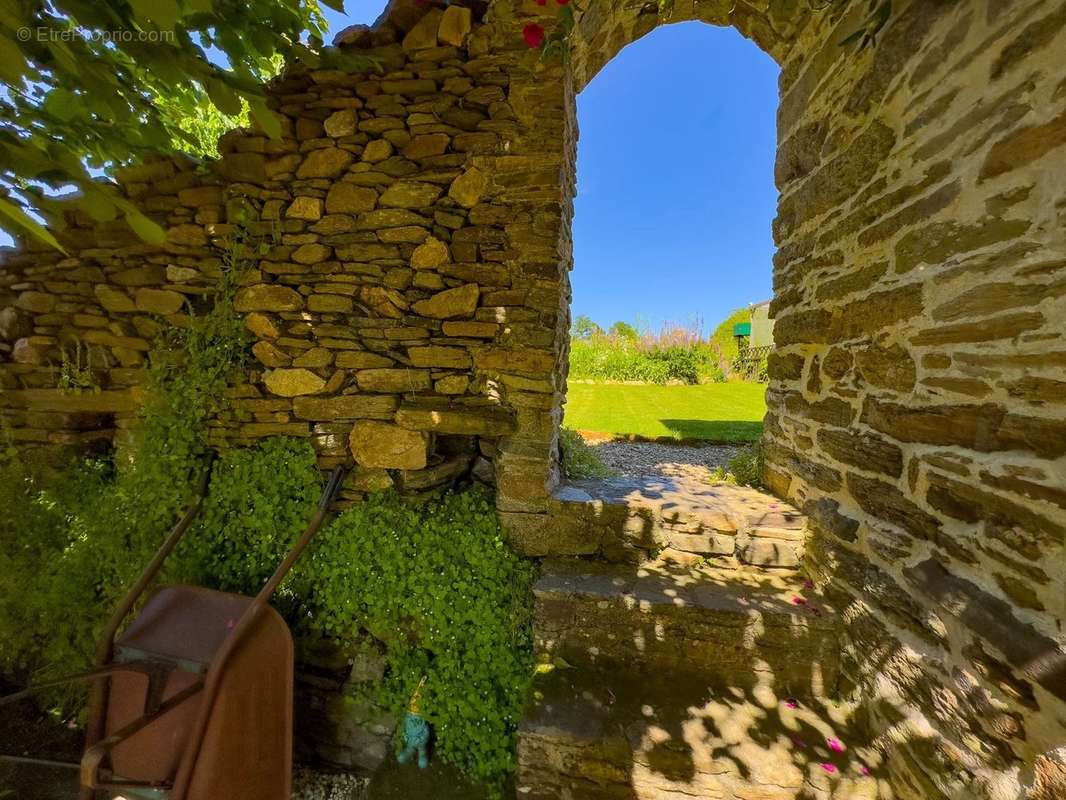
x=85, y=531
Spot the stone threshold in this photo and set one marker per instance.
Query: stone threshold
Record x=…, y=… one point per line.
x=646, y=517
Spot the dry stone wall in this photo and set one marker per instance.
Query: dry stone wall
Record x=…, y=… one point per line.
x=413, y=308
x=394, y=318
x=917, y=403
x=918, y=411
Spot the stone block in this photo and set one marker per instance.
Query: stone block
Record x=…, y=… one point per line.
x=387, y=446
x=340, y=123
x=394, y=380
x=268, y=297
x=345, y=407
x=328, y=162
x=474, y=421
x=158, y=301
x=424, y=33
x=468, y=189
x=449, y=304
x=347, y=198
x=307, y=208
x=293, y=382
x=114, y=300
x=438, y=356
x=410, y=194
x=455, y=26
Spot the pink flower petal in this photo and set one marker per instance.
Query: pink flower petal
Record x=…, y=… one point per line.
x=835, y=745
x=790, y=703
x=829, y=768
x=864, y=770
x=808, y=584
x=799, y=601
x=533, y=34
x=230, y=624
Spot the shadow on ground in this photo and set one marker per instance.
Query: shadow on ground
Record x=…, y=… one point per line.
x=28, y=732
x=438, y=781
x=711, y=430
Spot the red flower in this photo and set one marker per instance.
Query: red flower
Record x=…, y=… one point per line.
x=533, y=34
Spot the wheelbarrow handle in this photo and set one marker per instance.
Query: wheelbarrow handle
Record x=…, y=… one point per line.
x=78, y=677
x=215, y=672
x=106, y=643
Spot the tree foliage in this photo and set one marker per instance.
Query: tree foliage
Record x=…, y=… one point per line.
x=90, y=85
x=584, y=328
x=623, y=330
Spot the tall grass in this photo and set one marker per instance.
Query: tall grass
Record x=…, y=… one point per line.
x=677, y=353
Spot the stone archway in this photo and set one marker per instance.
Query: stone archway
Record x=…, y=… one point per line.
x=916, y=401
x=917, y=291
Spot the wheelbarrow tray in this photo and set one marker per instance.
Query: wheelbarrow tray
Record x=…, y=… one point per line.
x=247, y=749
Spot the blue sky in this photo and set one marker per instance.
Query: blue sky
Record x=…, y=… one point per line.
x=675, y=176
x=675, y=179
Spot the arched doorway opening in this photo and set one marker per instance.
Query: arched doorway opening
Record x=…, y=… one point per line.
x=672, y=253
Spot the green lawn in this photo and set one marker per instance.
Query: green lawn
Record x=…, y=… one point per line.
x=718, y=412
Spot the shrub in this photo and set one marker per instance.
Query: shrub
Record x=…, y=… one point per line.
x=258, y=502
x=578, y=459
x=648, y=360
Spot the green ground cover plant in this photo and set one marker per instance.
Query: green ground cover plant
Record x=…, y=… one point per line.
x=715, y=412
x=447, y=601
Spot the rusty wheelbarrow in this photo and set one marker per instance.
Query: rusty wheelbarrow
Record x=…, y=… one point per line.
x=194, y=700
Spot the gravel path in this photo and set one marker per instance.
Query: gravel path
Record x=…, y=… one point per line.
x=649, y=458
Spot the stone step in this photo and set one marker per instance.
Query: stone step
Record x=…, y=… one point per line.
x=732, y=627
x=612, y=735
x=635, y=519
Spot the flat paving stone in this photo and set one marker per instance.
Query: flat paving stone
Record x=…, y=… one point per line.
x=613, y=735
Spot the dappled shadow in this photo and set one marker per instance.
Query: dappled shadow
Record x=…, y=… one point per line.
x=709, y=430
x=632, y=517
x=625, y=735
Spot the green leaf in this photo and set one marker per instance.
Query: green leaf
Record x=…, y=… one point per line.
x=98, y=206
x=164, y=13
x=225, y=99
x=266, y=118
x=62, y=104
x=336, y=5
x=23, y=220
x=12, y=64
x=148, y=230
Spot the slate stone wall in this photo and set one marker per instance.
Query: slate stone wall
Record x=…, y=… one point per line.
x=414, y=309
x=917, y=403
